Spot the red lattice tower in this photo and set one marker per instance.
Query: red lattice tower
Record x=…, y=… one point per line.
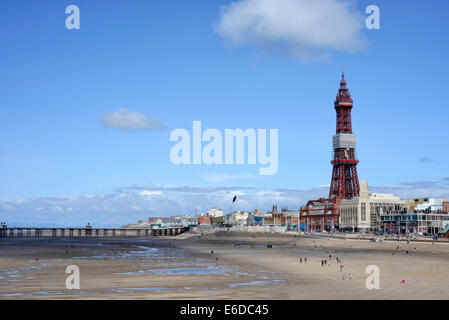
x=344, y=182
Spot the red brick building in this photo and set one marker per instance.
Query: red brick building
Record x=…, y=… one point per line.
x=157, y=220
x=205, y=219
x=321, y=214
x=446, y=207
x=285, y=218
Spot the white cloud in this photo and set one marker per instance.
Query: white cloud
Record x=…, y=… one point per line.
x=150, y=193
x=310, y=30
x=130, y=120
x=217, y=177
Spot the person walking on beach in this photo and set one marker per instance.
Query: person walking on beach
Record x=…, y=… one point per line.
x=350, y=276
x=337, y=259
x=305, y=259
x=300, y=259
x=322, y=263
x=212, y=252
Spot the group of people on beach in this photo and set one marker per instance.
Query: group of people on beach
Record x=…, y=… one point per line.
x=325, y=262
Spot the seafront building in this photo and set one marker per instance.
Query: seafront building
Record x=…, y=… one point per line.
x=259, y=219
x=237, y=218
x=432, y=204
x=363, y=213
x=386, y=213
x=161, y=222
x=214, y=212
x=285, y=217
x=320, y=215
x=204, y=219
x=292, y=219
x=425, y=216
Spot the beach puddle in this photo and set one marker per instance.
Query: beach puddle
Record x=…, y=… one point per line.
x=46, y=293
x=17, y=295
x=250, y=283
x=9, y=275
x=184, y=271
x=127, y=290
x=144, y=253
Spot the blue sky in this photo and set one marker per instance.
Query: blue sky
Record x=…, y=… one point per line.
x=178, y=61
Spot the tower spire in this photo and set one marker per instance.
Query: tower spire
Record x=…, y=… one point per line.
x=343, y=80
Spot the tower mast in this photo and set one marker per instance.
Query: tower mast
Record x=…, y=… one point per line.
x=344, y=181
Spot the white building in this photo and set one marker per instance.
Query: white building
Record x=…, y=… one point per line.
x=432, y=204
x=214, y=212
x=363, y=213
x=238, y=217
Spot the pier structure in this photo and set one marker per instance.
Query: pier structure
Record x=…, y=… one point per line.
x=89, y=232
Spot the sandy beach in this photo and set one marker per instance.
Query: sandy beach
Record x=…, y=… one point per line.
x=240, y=267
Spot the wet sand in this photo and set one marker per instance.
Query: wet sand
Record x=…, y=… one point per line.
x=241, y=267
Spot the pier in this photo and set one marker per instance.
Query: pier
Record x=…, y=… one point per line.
x=89, y=232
